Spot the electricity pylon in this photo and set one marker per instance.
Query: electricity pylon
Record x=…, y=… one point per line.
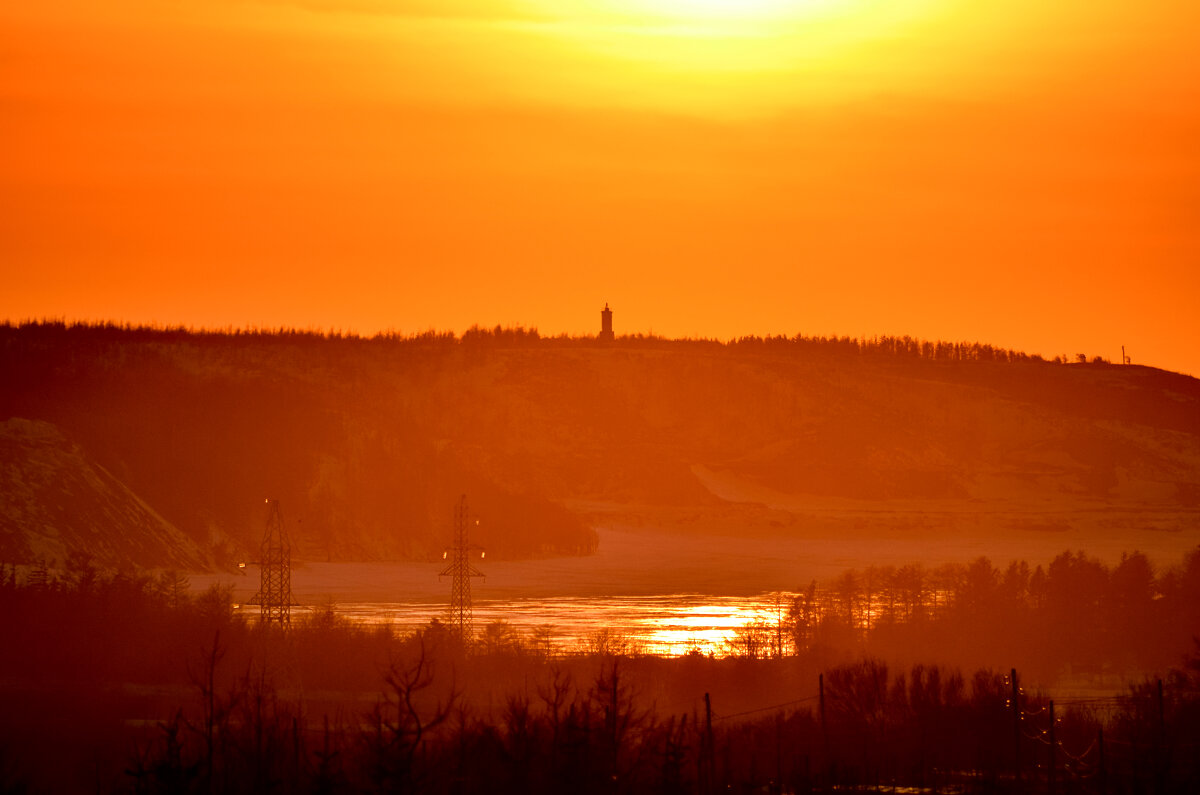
x=274, y=596
x=461, y=571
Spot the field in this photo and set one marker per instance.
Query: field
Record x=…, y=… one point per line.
x=638, y=561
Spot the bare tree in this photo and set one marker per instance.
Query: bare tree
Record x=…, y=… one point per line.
x=401, y=721
x=215, y=709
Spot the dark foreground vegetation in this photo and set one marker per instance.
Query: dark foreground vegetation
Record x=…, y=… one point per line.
x=1076, y=617
x=112, y=683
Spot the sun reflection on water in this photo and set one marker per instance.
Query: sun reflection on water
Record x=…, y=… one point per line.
x=666, y=625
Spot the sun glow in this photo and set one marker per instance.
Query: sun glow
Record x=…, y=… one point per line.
x=734, y=9
x=736, y=16
x=733, y=57
x=734, y=35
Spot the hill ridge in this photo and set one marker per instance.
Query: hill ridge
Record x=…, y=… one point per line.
x=367, y=442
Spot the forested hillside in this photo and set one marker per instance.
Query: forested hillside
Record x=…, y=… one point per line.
x=367, y=441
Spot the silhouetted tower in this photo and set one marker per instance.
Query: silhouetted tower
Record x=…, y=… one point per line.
x=606, y=332
x=274, y=595
x=461, y=571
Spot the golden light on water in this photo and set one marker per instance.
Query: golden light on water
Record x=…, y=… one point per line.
x=667, y=625
x=705, y=628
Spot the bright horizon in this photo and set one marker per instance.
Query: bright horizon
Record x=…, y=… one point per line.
x=1023, y=177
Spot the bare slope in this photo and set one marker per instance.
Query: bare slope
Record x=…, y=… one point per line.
x=58, y=503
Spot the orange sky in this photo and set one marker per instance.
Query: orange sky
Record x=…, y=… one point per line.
x=1021, y=173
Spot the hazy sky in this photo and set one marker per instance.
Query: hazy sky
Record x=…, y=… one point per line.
x=1021, y=173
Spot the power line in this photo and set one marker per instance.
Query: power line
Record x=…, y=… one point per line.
x=461, y=571
x=274, y=596
x=766, y=709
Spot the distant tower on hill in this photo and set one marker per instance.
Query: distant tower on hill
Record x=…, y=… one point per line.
x=606, y=332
